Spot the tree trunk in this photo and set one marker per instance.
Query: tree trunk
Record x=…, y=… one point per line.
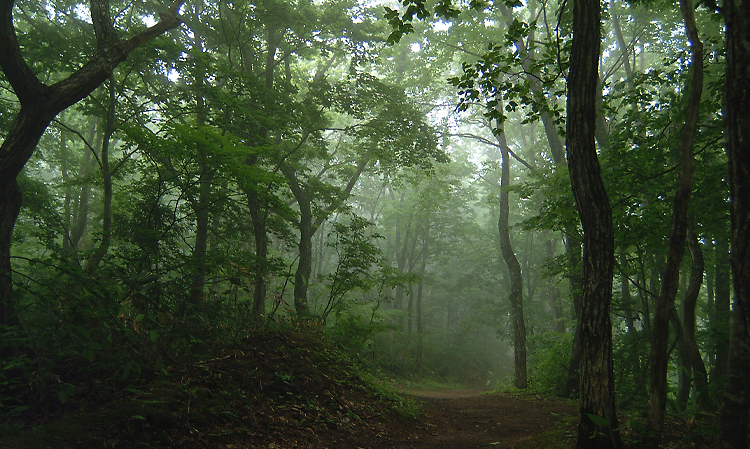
x=684, y=370
x=201, y=204
x=307, y=229
x=558, y=320
x=627, y=299
x=721, y=323
x=10, y=206
x=678, y=232
x=259, y=217
x=81, y=213
x=733, y=424
x=109, y=130
x=597, y=378
x=693, y=355
x=575, y=280
x=418, y=311
x=304, y=264
x=200, y=249
x=516, y=280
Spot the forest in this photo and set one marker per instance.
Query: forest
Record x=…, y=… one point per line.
x=272, y=205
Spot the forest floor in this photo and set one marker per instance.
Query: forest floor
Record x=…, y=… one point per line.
x=280, y=390
x=473, y=419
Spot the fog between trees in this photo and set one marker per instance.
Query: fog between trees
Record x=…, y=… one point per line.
x=400, y=177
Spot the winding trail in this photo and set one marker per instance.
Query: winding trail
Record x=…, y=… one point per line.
x=470, y=419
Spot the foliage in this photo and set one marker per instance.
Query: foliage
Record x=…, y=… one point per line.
x=392, y=142
x=271, y=377
x=548, y=364
x=356, y=257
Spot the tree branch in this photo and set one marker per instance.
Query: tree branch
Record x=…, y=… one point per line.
x=26, y=85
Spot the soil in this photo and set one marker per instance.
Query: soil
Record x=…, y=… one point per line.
x=473, y=419
x=283, y=390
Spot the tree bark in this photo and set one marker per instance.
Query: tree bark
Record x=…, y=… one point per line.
x=205, y=177
x=678, y=232
x=733, y=424
x=109, y=129
x=40, y=104
x=418, y=311
x=575, y=281
x=597, y=378
x=684, y=370
x=627, y=298
x=200, y=249
x=692, y=353
x=558, y=320
x=259, y=218
x=516, y=279
x=305, y=227
x=721, y=322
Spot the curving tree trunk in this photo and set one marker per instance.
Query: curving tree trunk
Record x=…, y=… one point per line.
x=594, y=325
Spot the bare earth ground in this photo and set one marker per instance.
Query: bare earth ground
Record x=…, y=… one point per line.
x=470, y=419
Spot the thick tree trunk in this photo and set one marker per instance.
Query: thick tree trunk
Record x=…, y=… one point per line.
x=516, y=279
x=597, y=379
x=678, y=232
x=10, y=206
x=733, y=424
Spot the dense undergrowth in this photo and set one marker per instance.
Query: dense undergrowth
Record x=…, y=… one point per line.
x=274, y=388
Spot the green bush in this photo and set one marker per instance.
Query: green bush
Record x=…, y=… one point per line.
x=549, y=355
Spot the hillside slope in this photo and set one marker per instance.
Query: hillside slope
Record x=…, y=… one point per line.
x=275, y=389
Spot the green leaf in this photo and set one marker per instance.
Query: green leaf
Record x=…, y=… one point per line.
x=154, y=336
x=88, y=354
x=598, y=420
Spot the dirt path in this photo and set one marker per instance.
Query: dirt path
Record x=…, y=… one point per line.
x=469, y=419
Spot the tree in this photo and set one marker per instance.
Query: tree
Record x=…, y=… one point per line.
x=40, y=104
x=734, y=414
x=598, y=425
x=516, y=281
x=678, y=231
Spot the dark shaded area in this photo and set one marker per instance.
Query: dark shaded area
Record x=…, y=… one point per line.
x=275, y=388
